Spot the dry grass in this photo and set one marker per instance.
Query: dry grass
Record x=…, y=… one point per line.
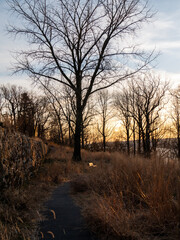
x=122, y=198
x=132, y=198
x=19, y=210
x=20, y=207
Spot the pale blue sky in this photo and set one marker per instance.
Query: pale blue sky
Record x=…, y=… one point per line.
x=163, y=34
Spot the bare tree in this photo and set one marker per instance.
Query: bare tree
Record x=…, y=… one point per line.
x=149, y=93
x=122, y=104
x=176, y=115
x=81, y=44
x=104, y=115
x=69, y=111
x=26, y=115
x=2, y=103
x=62, y=110
x=42, y=115
x=56, y=114
x=87, y=124
x=12, y=97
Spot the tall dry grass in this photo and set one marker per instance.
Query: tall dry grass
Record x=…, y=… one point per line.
x=122, y=198
x=20, y=205
x=132, y=198
x=20, y=210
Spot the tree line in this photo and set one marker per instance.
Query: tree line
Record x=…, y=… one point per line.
x=139, y=105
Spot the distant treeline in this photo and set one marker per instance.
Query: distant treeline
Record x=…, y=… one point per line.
x=139, y=107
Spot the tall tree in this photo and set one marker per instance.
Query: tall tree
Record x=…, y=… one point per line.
x=176, y=115
x=81, y=44
x=2, y=102
x=26, y=115
x=88, y=116
x=122, y=103
x=104, y=110
x=62, y=110
x=41, y=116
x=149, y=93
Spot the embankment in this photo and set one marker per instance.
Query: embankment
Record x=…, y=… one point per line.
x=20, y=157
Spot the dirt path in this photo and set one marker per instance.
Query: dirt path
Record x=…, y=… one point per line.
x=63, y=218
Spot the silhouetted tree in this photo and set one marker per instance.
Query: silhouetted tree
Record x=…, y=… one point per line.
x=149, y=92
x=75, y=44
x=1, y=107
x=104, y=115
x=12, y=96
x=26, y=115
x=176, y=115
x=88, y=115
x=41, y=116
x=122, y=104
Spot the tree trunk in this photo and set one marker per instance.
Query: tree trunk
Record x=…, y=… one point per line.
x=82, y=136
x=178, y=138
x=14, y=116
x=77, y=136
x=139, y=131
x=77, y=140
x=103, y=133
x=139, y=141
x=148, y=149
x=143, y=141
x=134, y=137
x=61, y=132
x=128, y=147
x=127, y=137
x=104, y=143
x=69, y=132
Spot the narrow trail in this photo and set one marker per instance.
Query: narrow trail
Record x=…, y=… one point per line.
x=63, y=218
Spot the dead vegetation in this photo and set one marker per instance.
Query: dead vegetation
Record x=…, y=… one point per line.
x=121, y=198
x=20, y=210
x=20, y=205
x=131, y=198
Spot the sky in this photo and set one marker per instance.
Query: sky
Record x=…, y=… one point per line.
x=162, y=34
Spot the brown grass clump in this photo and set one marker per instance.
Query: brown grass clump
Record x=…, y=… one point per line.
x=133, y=198
x=19, y=210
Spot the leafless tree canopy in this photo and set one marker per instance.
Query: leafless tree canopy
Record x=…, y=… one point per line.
x=82, y=44
x=140, y=104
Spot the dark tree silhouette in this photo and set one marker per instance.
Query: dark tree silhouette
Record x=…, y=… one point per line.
x=176, y=115
x=81, y=44
x=12, y=97
x=26, y=115
x=147, y=101
x=42, y=115
x=122, y=103
x=104, y=112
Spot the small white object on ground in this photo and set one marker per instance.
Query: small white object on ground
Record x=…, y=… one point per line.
x=91, y=164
